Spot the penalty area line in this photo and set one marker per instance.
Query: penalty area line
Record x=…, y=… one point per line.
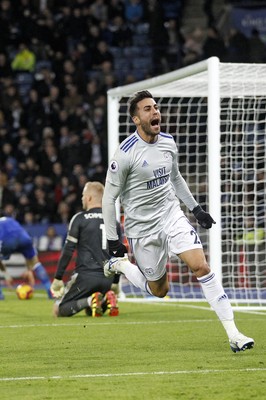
x=119, y=375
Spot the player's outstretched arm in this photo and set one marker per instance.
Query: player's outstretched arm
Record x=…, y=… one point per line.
x=57, y=287
x=111, y=192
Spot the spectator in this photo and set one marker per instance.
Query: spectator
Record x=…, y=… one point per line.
x=43, y=80
x=51, y=241
x=175, y=44
x=97, y=153
x=47, y=157
x=17, y=189
x=99, y=10
x=214, y=45
x=43, y=182
x=5, y=67
x=3, y=128
x=6, y=195
x=27, y=173
x=257, y=48
x=122, y=34
x=91, y=92
x=208, y=9
x=73, y=153
x=63, y=189
x=158, y=35
x=73, y=74
x=10, y=210
x=102, y=54
x=9, y=94
x=24, y=207
x=93, y=36
x=63, y=213
x=28, y=219
x=42, y=206
x=76, y=26
x=79, y=120
x=16, y=116
x=237, y=47
x=9, y=160
x=72, y=98
x=24, y=60
x=134, y=11
x=34, y=115
x=115, y=8
x=193, y=46
x=6, y=18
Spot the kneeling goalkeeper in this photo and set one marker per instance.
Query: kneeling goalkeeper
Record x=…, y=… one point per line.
x=88, y=288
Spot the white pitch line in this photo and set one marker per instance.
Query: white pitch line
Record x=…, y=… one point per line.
x=86, y=323
x=255, y=311
x=85, y=376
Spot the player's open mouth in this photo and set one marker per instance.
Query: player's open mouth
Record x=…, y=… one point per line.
x=155, y=122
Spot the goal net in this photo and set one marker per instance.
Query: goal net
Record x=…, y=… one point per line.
x=217, y=115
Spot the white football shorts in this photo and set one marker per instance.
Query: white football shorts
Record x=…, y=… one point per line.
x=152, y=252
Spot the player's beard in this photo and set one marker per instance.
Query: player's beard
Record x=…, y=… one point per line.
x=148, y=130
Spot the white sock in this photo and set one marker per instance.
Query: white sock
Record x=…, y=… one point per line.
x=218, y=300
x=133, y=274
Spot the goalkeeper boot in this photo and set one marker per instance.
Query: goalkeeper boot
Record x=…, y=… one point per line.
x=112, y=307
x=96, y=304
x=241, y=343
x=111, y=267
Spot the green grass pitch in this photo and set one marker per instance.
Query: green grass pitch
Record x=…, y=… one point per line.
x=154, y=351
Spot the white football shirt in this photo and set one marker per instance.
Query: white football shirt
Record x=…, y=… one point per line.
x=147, y=179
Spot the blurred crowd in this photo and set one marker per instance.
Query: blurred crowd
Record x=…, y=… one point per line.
x=58, y=58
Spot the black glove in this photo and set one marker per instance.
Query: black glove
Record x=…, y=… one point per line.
x=203, y=218
x=116, y=248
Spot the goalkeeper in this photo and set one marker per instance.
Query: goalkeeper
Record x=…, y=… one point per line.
x=144, y=173
x=88, y=288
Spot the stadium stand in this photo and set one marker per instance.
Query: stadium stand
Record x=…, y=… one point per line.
x=53, y=115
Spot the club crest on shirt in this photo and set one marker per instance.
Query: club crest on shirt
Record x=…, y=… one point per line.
x=148, y=271
x=167, y=155
x=113, y=167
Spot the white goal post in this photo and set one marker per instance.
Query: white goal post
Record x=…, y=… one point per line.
x=217, y=115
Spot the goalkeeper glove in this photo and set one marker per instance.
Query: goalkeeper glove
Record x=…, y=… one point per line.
x=116, y=248
x=203, y=218
x=57, y=288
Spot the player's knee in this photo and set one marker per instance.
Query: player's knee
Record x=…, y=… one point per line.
x=201, y=269
x=160, y=291
x=159, y=288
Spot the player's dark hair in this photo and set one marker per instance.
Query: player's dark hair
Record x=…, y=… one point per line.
x=136, y=98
